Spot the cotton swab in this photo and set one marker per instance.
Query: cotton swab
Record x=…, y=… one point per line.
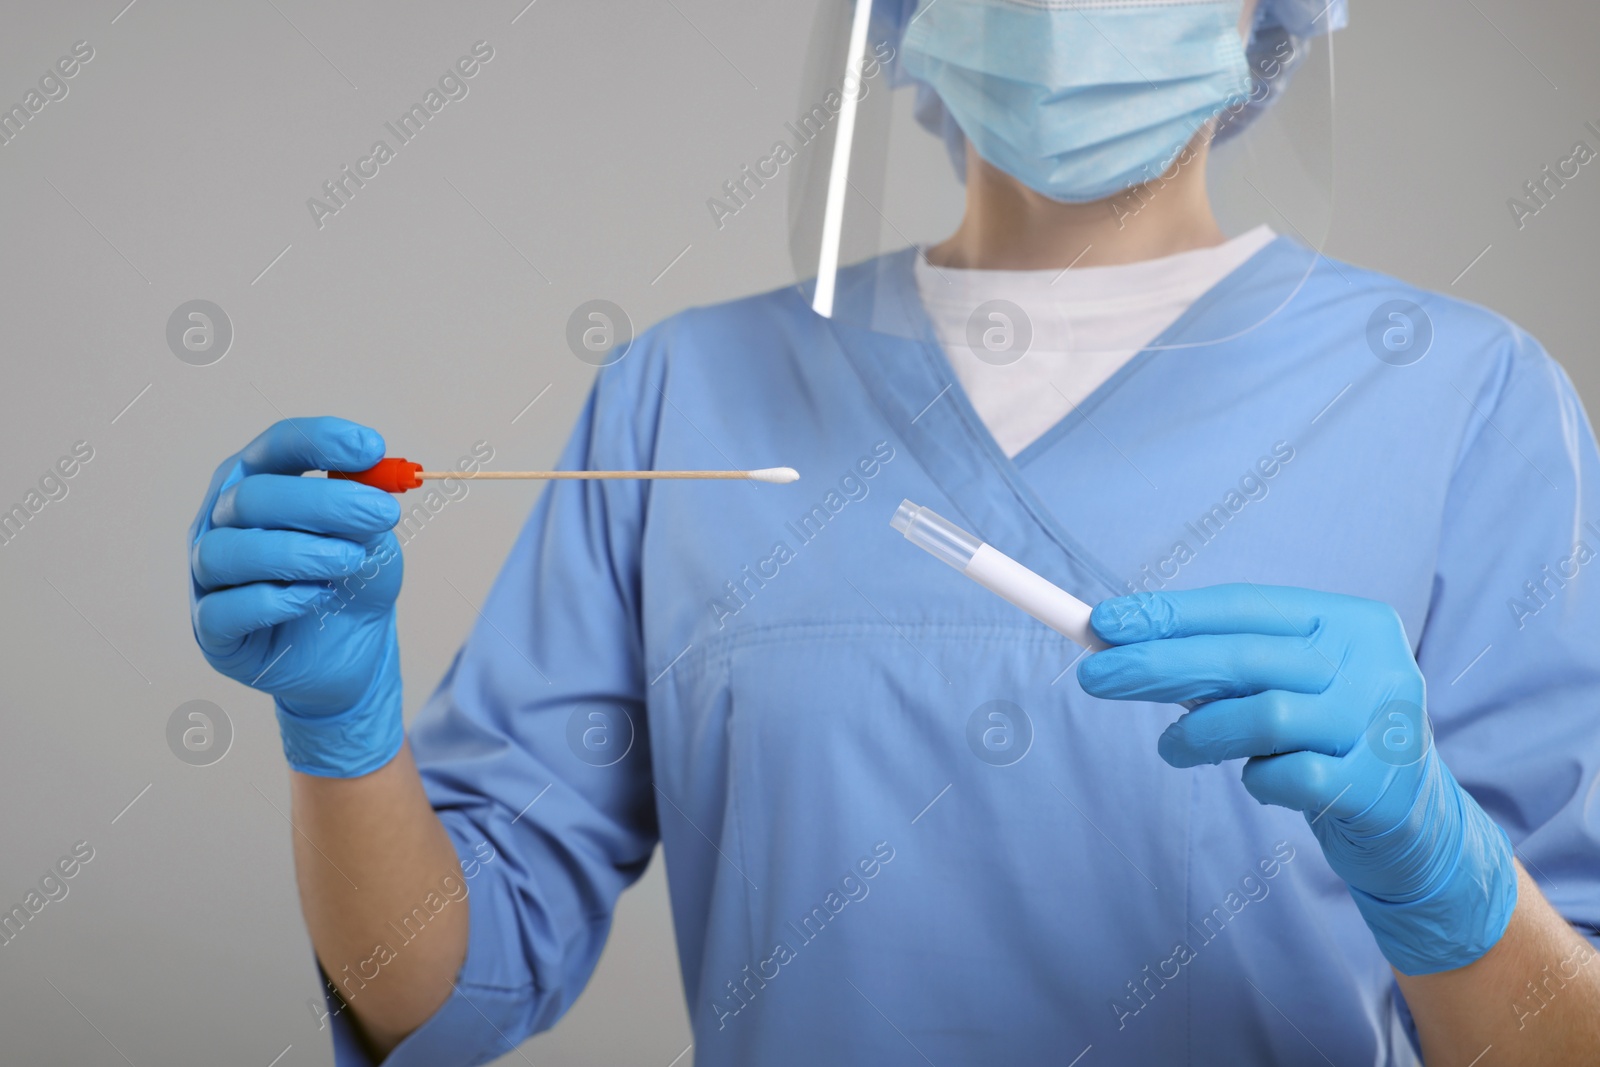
x=396, y=475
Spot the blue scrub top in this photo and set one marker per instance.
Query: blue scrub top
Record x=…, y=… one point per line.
x=896, y=830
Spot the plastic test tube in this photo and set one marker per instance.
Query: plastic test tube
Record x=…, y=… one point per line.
x=997, y=572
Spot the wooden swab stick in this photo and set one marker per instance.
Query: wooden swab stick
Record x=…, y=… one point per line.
x=777, y=475
x=395, y=475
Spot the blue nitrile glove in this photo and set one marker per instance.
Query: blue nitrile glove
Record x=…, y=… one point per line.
x=1322, y=694
x=292, y=590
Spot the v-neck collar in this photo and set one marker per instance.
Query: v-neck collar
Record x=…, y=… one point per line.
x=1168, y=340
x=906, y=371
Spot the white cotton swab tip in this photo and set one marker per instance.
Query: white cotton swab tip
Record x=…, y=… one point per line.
x=775, y=475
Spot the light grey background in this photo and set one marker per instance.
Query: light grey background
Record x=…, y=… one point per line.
x=434, y=307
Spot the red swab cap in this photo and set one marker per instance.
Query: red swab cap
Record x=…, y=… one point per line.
x=391, y=474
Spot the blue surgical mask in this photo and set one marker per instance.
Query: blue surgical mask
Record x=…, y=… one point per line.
x=1079, y=99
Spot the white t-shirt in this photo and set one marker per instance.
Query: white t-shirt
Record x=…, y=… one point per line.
x=1029, y=345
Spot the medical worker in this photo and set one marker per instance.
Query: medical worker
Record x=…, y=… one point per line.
x=1328, y=795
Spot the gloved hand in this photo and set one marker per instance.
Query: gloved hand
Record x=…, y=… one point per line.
x=1320, y=692
x=292, y=591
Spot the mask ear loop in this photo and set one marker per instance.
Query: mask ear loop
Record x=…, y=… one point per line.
x=1273, y=55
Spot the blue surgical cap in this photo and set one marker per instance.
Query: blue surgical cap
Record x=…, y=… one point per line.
x=1276, y=22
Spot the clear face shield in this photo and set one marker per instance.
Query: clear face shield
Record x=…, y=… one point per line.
x=1101, y=104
